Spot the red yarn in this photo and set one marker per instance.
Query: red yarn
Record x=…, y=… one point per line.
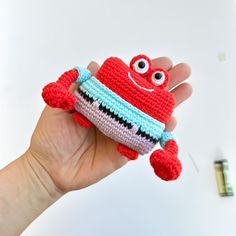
x=165, y=163
x=127, y=152
x=172, y=147
x=82, y=120
x=141, y=57
x=57, y=94
x=159, y=103
x=68, y=78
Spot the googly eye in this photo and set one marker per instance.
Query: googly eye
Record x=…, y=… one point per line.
x=159, y=78
x=141, y=64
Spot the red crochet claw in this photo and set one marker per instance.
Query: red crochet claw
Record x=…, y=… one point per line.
x=57, y=95
x=82, y=120
x=127, y=152
x=165, y=163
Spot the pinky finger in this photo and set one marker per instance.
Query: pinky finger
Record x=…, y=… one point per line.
x=170, y=126
x=182, y=93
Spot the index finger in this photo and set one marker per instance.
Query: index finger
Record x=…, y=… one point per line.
x=162, y=62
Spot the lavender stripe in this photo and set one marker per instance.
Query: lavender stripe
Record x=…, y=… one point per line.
x=112, y=128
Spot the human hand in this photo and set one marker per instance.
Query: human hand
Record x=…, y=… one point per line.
x=75, y=157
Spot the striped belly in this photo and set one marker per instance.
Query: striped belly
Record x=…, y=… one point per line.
x=116, y=118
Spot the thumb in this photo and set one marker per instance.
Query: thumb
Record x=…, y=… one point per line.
x=93, y=67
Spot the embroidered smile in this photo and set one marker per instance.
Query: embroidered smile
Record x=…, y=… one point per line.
x=146, y=89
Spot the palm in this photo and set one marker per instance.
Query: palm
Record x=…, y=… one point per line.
x=76, y=157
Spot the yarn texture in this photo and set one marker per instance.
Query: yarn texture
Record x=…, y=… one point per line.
x=128, y=104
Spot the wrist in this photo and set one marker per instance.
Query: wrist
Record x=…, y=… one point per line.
x=26, y=190
x=39, y=177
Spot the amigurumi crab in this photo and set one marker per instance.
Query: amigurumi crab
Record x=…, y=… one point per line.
x=128, y=104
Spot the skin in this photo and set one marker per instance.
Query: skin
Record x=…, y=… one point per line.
x=64, y=156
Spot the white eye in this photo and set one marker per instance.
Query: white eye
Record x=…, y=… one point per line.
x=141, y=66
x=158, y=78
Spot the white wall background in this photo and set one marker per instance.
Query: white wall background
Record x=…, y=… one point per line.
x=41, y=39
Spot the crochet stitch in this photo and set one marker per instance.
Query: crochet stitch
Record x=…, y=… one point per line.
x=128, y=104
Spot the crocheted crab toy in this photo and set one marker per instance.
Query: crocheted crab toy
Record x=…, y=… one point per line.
x=128, y=104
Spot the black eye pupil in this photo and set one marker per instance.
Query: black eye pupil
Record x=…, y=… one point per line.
x=141, y=64
x=158, y=76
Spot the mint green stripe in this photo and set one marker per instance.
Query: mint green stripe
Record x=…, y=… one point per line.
x=84, y=74
x=118, y=105
x=166, y=136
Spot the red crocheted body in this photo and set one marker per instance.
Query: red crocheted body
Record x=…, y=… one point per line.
x=156, y=102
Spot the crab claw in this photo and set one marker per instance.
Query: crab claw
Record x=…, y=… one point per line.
x=165, y=163
x=56, y=95
x=165, y=166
